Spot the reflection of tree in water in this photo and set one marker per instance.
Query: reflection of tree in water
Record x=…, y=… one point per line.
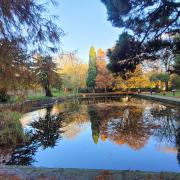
x=47, y=129
x=178, y=144
x=75, y=122
x=167, y=118
x=121, y=124
x=95, y=123
x=46, y=132
x=72, y=106
x=23, y=154
x=130, y=128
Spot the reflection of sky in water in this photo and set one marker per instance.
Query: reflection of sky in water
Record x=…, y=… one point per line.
x=117, y=147
x=28, y=118
x=83, y=153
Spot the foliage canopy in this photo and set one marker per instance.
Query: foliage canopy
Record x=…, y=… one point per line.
x=26, y=22
x=149, y=22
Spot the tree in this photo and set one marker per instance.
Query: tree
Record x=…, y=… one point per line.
x=104, y=78
x=15, y=69
x=92, y=71
x=72, y=71
x=176, y=41
x=149, y=22
x=46, y=74
x=165, y=79
x=24, y=30
x=177, y=65
x=162, y=77
x=27, y=24
x=136, y=79
x=123, y=55
x=167, y=59
x=145, y=19
x=175, y=81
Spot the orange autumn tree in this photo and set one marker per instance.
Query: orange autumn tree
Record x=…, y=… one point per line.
x=104, y=78
x=136, y=79
x=16, y=75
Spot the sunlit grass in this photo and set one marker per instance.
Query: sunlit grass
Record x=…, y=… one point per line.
x=37, y=96
x=170, y=94
x=55, y=93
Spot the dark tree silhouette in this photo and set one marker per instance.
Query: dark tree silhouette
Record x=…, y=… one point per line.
x=23, y=154
x=150, y=22
x=47, y=129
x=178, y=144
x=123, y=55
x=167, y=119
x=27, y=23
x=46, y=132
x=145, y=19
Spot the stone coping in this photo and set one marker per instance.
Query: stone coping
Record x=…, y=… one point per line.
x=37, y=104
x=30, y=173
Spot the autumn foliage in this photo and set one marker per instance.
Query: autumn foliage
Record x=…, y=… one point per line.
x=104, y=78
x=15, y=73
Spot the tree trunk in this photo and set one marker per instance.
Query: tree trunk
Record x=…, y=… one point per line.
x=3, y=96
x=166, y=86
x=48, y=92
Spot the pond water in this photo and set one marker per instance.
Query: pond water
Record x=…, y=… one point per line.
x=120, y=134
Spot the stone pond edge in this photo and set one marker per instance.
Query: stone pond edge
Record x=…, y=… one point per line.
x=39, y=104
x=53, y=173
x=168, y=100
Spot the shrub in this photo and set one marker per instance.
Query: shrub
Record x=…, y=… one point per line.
x=10, y=128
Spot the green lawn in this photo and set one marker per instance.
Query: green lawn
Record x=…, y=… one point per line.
x=40, y=96
x=37, y=96
x=170, y=94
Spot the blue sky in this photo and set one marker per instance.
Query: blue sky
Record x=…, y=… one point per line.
x=85, y=24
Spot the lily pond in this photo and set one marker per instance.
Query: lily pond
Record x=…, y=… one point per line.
x=124, y=133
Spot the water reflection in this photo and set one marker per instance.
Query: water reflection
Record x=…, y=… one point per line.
x=127, y=122
x=168, y=132
x=46, y=131
x=23, y=154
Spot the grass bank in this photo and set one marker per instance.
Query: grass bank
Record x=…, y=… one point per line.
x=170, y=94
x=55, y=93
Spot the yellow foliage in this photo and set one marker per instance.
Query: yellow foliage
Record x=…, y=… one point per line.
x=138, y=79
x=73, y=72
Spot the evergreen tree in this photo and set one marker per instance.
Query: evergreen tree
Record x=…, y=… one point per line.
x=92, y=71
x=152, y=23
